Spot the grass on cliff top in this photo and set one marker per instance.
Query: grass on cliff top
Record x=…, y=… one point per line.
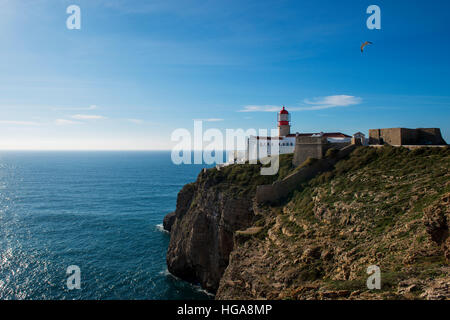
x=368, y=210
x=380, y=191
x=389, y=177
x=242, y=179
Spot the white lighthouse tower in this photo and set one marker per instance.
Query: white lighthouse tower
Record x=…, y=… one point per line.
x=284, y=123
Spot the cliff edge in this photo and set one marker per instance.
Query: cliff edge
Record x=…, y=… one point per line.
x=208, y=213
x=388, y=207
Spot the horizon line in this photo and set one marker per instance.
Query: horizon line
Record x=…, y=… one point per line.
x=109, y=150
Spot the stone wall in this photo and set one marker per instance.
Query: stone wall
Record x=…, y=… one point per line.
x=404, y=136
x=337, y=145
x=390, y=136
x=408, y=136
x=308, y=147
x=432, y=135
x=281, y=189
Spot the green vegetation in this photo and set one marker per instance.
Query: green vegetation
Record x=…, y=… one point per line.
x=368, y=210
x=242, y=179
x=386, y=170
x=306, y=163
x=331, y=153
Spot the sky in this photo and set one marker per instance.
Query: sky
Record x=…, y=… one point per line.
x=138, y=70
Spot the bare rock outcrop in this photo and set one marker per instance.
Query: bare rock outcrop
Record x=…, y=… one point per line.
x=437, y=222
x=206, y=217
x=388, y=207
x=169, y=220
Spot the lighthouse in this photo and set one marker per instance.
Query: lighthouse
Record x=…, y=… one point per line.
x=263, y=146
x=284, y=123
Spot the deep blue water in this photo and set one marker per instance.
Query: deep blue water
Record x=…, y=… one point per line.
x=97, y=210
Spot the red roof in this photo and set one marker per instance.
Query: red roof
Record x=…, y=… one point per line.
x=269, y=138
x=284, y=111
x=325, y=134
x=293, y=135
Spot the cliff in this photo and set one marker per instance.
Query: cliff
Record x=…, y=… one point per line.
x=208, y=213
x=387, y=207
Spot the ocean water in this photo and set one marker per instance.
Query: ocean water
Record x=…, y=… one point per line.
x=100, y=211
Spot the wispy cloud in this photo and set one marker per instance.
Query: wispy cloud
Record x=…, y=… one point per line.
x=318, y=103
x=91, y=107
x=136, y=121
x=254, y=108
x=210, y=120
x=65, y=122
x=19, y=123
x=331, y=102
x=87, y=117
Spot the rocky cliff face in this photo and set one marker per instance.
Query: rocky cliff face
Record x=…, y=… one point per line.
x=208, y=213
x=202, y=231
x=387, y=207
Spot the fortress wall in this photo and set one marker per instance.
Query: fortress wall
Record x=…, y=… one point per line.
x=431, y=135
x=408, y=136
x=308, y=147
x=374, y=136
x=392, y=136
x=337, y=145
x=279, y=190
x=404, y=136
x=271, y=193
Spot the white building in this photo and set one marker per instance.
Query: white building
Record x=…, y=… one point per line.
x=258, y=146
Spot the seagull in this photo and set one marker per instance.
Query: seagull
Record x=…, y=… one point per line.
x=365, y=44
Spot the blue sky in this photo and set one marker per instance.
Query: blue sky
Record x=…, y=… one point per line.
x=138, y=70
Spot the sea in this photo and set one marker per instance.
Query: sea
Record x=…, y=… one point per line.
x=101, y=212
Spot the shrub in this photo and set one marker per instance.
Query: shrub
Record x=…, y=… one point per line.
x=331, y=153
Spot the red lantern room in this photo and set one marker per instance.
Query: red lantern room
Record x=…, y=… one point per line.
x=284, y=125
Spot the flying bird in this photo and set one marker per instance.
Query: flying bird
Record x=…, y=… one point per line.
x=365, y=44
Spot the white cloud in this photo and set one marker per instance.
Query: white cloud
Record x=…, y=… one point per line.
x=210, y=120
x=313, y=104
x=63, y=122
x=136, y=121
x=91, y=107
x=87, y=117
x=266, y=108
x=19, y=123
x=331, y=102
